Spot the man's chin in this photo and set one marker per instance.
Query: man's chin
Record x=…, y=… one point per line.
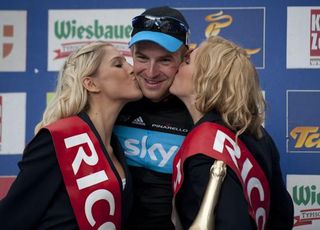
x=155, y=96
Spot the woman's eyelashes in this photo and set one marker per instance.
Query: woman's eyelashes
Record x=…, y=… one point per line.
x=118, y=62
x=118, y=65
x=187, y=57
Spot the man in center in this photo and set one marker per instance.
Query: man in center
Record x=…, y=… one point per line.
x=152, y=129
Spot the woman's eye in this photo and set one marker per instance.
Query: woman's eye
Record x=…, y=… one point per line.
x=187, y=60
x=187, y=57
x=118, y=65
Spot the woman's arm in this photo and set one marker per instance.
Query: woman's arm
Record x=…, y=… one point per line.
x=232, y=208
x=281, y=206
x=34, y=187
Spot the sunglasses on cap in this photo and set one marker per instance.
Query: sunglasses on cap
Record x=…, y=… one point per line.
x=167, y=25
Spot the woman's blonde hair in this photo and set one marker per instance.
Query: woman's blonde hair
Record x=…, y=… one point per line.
x=226, y=81
x=70, y=96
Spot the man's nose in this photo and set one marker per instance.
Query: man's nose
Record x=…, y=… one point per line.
x=153, y=70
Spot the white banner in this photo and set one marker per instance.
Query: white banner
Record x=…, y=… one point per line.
x=70, y=29
x=12, y=122
x=303, y=37
x=13, y=37
x=305, y=193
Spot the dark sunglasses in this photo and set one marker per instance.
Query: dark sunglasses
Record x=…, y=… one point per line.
x=167, y=25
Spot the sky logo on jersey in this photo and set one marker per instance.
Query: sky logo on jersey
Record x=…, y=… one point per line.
x=245, y=26
x=149, y=149
x=305, y=193
x=303, y=119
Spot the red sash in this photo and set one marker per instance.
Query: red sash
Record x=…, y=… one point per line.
x=217, y=141
x=93, y=188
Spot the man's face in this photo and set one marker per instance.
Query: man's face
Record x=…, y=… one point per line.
x=155, y=69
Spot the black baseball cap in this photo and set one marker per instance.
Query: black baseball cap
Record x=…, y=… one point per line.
x=162, y=25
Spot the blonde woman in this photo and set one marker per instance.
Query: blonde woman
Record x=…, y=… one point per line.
x=73, y=173
x=220, y=87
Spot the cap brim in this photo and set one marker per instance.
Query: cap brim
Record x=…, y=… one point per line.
x=166, y=41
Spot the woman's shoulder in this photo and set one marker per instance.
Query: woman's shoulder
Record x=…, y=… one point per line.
x=40, y=147
x=43, y=137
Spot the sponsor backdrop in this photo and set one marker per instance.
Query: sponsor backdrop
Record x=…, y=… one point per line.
x=282, y=37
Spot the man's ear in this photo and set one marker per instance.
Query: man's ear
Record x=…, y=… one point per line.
x=90, y=85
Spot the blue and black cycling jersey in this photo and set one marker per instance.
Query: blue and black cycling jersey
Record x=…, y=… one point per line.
x=151, y=134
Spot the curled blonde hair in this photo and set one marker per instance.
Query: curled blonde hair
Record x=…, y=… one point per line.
x=70, y=96
x=226, y=81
